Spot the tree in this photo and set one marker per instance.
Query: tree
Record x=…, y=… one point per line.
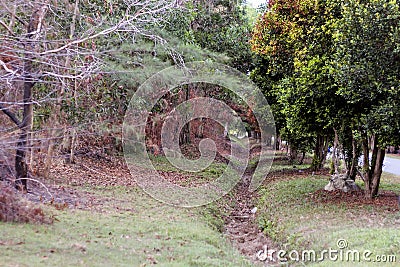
x=294, y=38
x=334, y=67
x=368, y=68
x=223, y=26
x=49, y=43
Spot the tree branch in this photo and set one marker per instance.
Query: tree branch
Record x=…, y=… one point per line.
x=11, y=115
x=7, y=28
x=104, y=32
x=4, y=65
x=361, y=175
x=14, y=15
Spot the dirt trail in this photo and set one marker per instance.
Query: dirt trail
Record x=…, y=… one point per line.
x=242, y=229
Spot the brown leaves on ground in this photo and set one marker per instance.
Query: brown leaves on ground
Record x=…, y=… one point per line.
x=97, y=170
x=15, y=209
x=387, y=200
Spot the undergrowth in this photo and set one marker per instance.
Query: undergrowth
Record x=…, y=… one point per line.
x=15, y=209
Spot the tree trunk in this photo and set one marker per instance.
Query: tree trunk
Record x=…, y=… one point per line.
x=324, y=151
x=34, y=28
x=372, y=169
x=21, y=166
x=277, y=143
x=320, y=151
x=184, y=137
x=335, y=154
x=352, y=171
x=376, y=175
x=292, y=155
x=200, y=129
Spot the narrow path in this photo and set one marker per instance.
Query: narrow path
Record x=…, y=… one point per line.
x=242, y=229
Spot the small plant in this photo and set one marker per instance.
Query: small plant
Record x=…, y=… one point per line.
x=15, y=209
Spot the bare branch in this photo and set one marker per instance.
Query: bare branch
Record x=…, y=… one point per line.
x=4, y=65
x=104, y=32
x=11, y=115
x=37, y=181
x=7, y=28
x=14, y=15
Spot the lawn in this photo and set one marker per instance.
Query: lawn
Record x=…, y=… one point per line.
x=293, y=214
x=130, y=229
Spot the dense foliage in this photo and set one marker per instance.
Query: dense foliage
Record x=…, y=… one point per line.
x=332, y=67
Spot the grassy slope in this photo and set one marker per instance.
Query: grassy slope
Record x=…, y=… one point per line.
x=297, y=222
x=147, y=234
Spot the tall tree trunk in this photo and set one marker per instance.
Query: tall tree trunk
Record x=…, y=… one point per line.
x=21, y=166
x=324, y=151
x=377, y=173
x=303, y=155
x=352, y=171
x=34, y=29
x=292, y=154
x=277, y=143
x=68, y=140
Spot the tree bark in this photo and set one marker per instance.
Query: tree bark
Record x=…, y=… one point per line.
x=335, y=154
x=376, y=176
x=21, y=166
x=303, y=155
x=34, y=28
x=184, y=137
x=320, y=151
x=292, y=154
x=352, y=172
x=372, y=169
x=277, y=143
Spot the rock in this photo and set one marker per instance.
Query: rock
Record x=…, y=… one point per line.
x=329, y=186
x=341, y=182
x=352, y=186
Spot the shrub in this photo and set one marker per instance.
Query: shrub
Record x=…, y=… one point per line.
x=15, y=209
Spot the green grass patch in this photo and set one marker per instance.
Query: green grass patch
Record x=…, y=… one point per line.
x=131, y=229
x=295, y=220
x=213, y=171
x=390, y=182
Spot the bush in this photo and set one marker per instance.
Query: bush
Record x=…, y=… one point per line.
x=15, y=209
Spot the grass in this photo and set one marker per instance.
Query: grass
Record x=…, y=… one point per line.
x=141, y=232
x=390, y=181
x=131, y=229
x=295, y=221
x=213, y=171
